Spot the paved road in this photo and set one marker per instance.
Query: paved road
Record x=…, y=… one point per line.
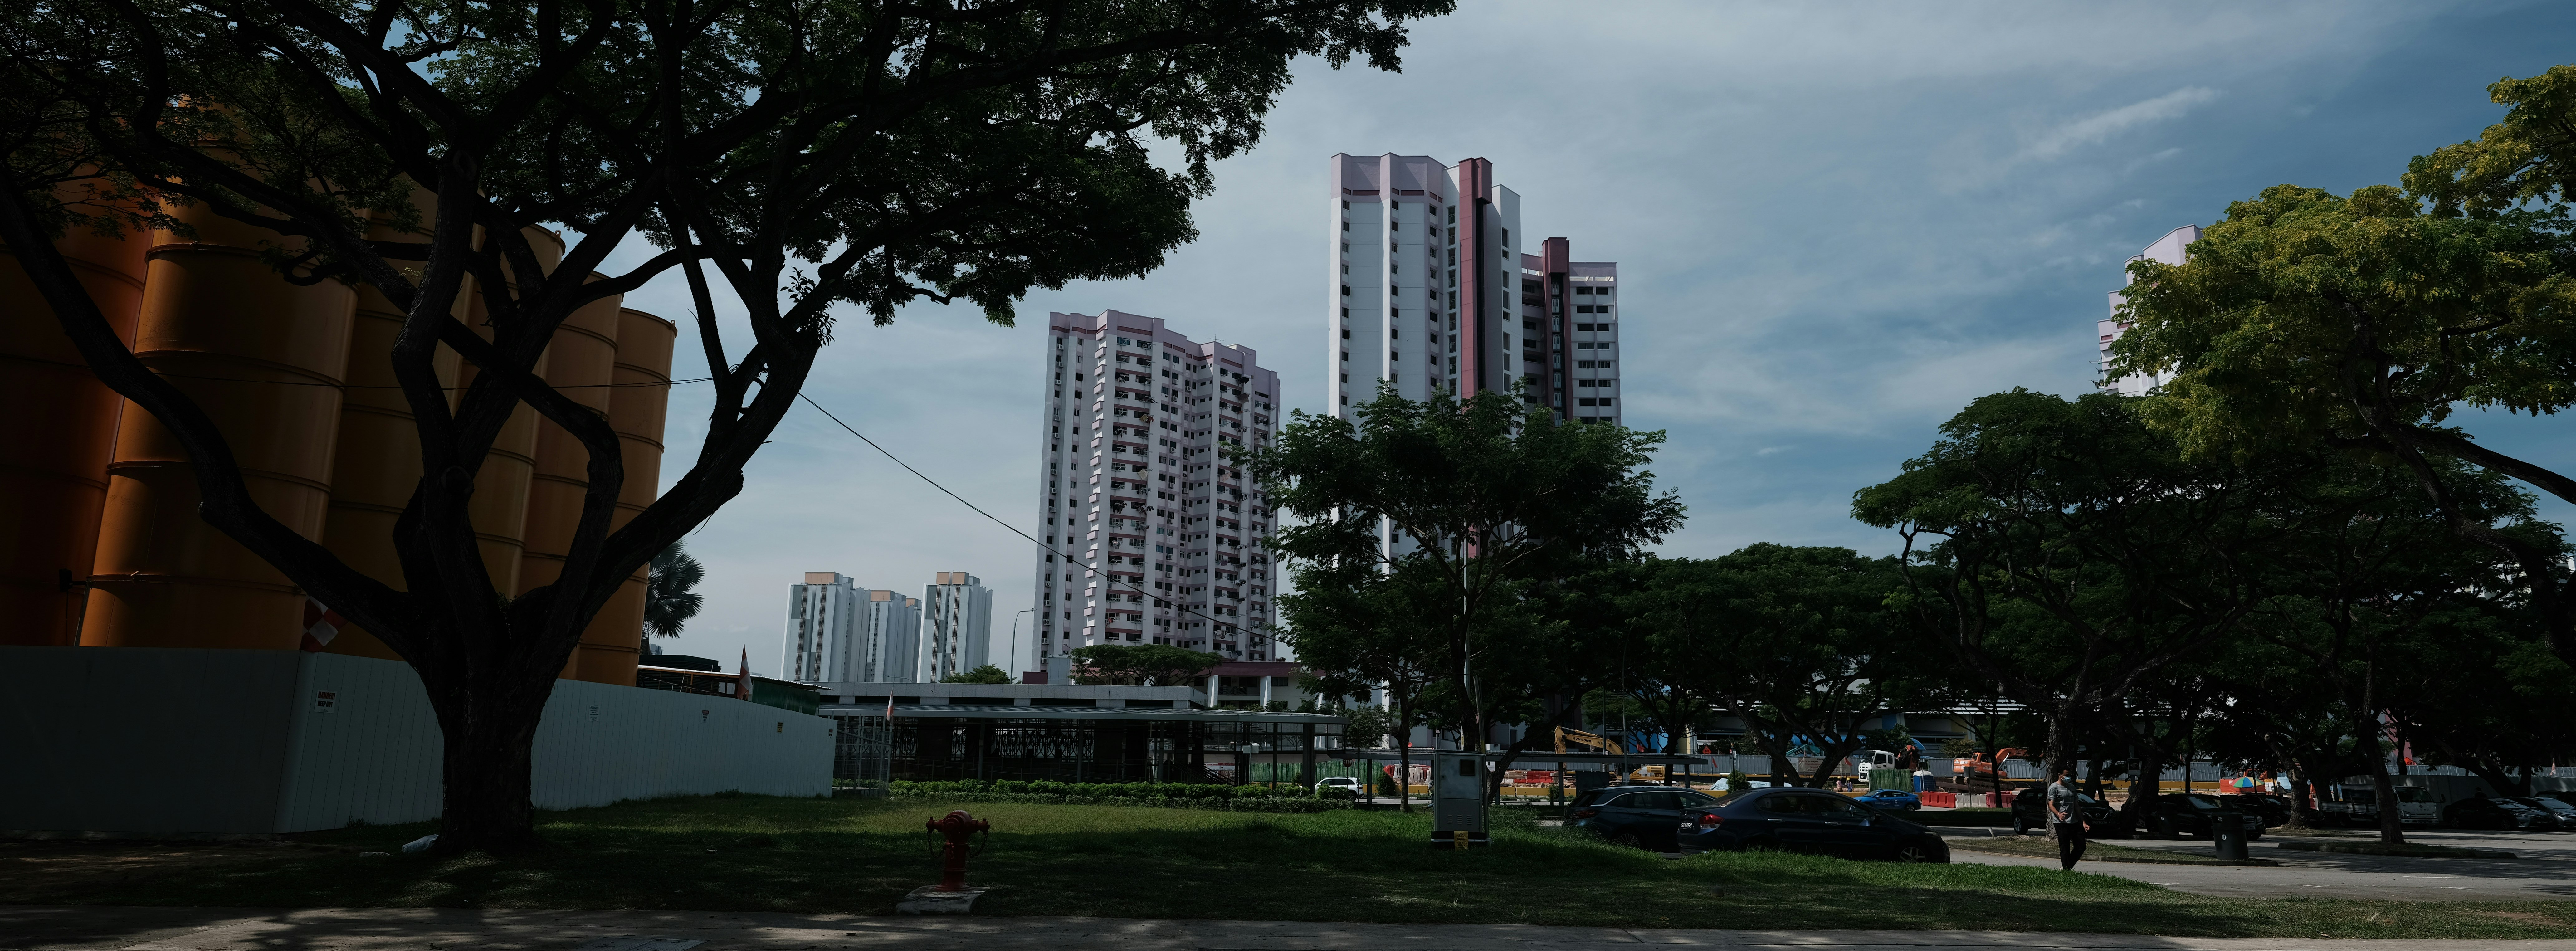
x=28, y=928
x=2544, y=868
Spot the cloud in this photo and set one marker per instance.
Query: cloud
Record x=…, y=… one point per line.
x=2100, y=127
x=1808, y=295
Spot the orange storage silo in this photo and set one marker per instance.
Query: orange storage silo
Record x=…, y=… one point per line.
x=637, y=408
x=264, y=359
x=500, y=503
x=377, y=466
x=580, y=362
x=60, y=430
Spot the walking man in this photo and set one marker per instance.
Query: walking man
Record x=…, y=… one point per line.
x=2066, y=812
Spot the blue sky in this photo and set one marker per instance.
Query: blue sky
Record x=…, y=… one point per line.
x=1835, y=224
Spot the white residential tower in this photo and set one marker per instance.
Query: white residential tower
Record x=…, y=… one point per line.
x=1152, y=533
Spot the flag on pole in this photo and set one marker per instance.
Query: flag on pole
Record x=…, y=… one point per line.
x=321, y=624
x=742, y=676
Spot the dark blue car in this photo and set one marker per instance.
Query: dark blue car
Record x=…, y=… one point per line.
x=1807, y=820
x=1890, y=799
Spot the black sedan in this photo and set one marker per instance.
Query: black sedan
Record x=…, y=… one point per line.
x=1645, y=817
x=2192, y=814
x=2559, y=810
x=1807, y=820
x=2275, y=810
x=2484, y=813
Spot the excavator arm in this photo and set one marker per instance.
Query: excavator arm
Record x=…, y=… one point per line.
x=1580, y=738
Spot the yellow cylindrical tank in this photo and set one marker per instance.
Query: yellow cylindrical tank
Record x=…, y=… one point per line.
x=264, y=359
x=60, y=430
x=637, y=408
x=500, y=504
x=377, y=466
x=581, y=362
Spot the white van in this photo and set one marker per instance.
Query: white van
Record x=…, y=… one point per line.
x=2359, y=805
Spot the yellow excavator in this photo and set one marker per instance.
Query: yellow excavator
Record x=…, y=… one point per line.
x=1594, y=741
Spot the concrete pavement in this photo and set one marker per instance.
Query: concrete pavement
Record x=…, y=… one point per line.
x=105, y=928
x=2544, y=868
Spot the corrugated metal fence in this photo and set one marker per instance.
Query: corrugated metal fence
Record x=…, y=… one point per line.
x=155, y=741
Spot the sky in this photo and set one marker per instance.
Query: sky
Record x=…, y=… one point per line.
x=1835, y=225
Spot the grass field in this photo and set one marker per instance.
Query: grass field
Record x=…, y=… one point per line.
x=859, y=856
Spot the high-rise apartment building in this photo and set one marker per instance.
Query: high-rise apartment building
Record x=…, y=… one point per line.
x=1431, y=289
x=891, y=626
x=956, y=625
x=838, y=631
x=2173, y=248
x=1152, y=532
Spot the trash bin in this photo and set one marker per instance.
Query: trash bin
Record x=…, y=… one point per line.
x=2227, y=833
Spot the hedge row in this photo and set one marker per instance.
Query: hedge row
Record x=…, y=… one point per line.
x=1048, y=787
x=1245, y=804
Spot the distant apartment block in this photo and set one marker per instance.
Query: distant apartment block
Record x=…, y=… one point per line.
x=1152, y=533
x=956, y=625
x=1433, y=287
x=838, y=631
x=2170, y=249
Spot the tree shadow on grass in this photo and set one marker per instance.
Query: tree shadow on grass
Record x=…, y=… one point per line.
x=754, y=854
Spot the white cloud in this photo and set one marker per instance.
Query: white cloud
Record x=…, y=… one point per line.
x=2100, y=127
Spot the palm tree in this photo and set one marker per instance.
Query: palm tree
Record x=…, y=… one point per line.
x=669, y=601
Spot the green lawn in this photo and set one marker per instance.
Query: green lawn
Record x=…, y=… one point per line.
x=858, y=856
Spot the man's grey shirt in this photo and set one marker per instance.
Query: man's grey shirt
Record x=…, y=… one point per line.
x=2062, y=798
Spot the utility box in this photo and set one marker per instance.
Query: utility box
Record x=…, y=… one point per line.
x=1457, y=800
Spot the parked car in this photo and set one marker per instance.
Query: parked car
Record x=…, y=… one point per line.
x=2030, y=814
x=2484, y=813
x=1347, y=783
x=2276, y=810
x=1890, y=799
x=2189, y=814
x=1645, y=817
x=2562, y=815
x=2359, y=805
x=2567, y=796
x=1807, y=820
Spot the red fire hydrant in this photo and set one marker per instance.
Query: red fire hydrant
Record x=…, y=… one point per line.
x=956, y=826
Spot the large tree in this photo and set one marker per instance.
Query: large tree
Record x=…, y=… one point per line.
x=1360, y=632
x=2068, y=552
x=1480, y=495
x=2371, y=579
x=2363, y=323
x=867, y=153
x=1799, y=643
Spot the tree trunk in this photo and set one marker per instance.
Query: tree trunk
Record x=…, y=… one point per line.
x=2061, y=745
x=1404, y=756
x=489, y=737
x=2392, y=825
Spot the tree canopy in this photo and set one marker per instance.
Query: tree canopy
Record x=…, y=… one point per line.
x=1159, y=665
x=2362, y=323
x=1475, y=496
x=798, y=157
